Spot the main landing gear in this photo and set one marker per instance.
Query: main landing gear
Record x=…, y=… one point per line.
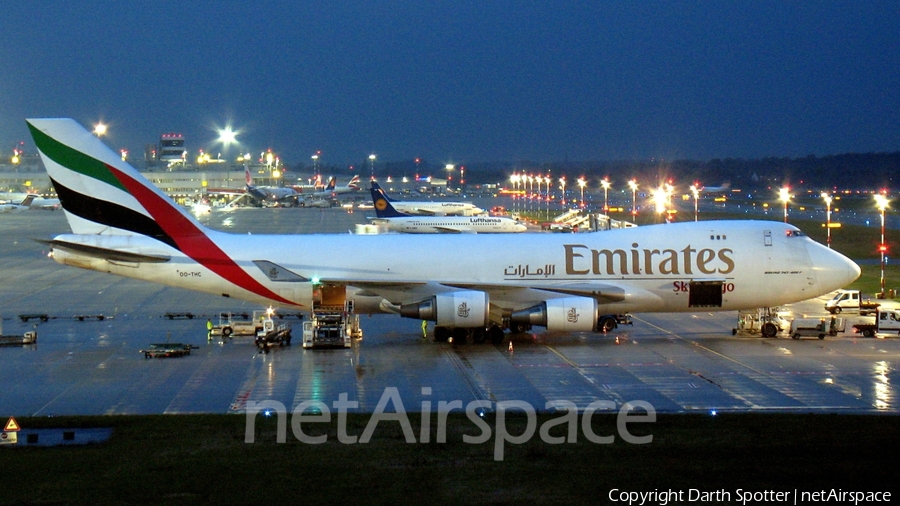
x=459, y=335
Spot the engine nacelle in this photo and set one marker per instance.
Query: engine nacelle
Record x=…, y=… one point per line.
x=464, y=308
x=566, y=314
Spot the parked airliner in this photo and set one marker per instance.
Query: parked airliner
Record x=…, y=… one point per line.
x=396, y=221
x=474, y=284
x=431, y=208
x=23, y=205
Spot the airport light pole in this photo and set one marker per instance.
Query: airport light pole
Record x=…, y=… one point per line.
x=828, y=198
x=449, y=168
x=784, y=194
x=606, y=186
x=529, y=181
x=547, y=181
x=581, y=184
x=882, y=202
x=372, y=166
x=514, y=179
x=695, y=190
x=634, y=186
x=562, y=186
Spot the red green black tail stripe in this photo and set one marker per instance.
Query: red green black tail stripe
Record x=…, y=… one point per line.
x=166, y=222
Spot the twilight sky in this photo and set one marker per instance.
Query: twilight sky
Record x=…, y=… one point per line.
x=462, y=81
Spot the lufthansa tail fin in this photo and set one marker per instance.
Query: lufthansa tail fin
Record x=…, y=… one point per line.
x=383, y=207
x=375, y=185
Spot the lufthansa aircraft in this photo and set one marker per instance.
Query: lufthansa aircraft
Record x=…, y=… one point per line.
x=398, y=222
x=429, y=208
x=478, y=284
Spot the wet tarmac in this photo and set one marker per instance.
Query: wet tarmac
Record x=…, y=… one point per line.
x=677, y=362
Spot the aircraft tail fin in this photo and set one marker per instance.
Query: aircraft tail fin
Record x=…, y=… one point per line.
x=383, y=207
x=331, y=183
x=102, y=194
x=377, y=186
x=354, y=182
x=26, y=202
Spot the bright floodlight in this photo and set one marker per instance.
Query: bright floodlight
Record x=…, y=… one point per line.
x=227, y=136
x=784, y=194
x=99, y=129
x=660, y=198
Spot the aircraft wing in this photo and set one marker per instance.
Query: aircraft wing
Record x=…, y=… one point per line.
x=448, y=230
x=510, y=296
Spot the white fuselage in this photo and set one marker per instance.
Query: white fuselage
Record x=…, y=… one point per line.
x=451, y=224
x=436, y=208
x=643, y=269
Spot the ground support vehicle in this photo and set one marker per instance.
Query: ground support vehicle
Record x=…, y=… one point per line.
x=332, y=322
x=273, y=334
x=816, y=327
x=886, y=322
x=331, y=326
x=35, y=316
x=764, y=321
x=172, y=315
x=228, y=325
x=83, y=317
x=28, y=338
x=850, y=300
x=167, y=350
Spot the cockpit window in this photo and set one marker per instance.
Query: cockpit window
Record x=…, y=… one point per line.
x=795, y=233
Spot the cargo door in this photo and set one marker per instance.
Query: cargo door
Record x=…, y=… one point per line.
x=705, y=294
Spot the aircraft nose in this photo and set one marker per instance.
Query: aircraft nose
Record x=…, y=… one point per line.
x=832, y=269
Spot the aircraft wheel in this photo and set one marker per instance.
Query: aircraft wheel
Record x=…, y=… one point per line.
x=769, y=330
x=496, y=334
x=607, y=324
x=479, y=335
x=460, y=335
x=441, y=334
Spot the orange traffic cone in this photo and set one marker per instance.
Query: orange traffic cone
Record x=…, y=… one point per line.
x=510, y=347
x=617, y=339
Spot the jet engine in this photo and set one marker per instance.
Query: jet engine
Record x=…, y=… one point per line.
x=567, y=314
x=463, y=308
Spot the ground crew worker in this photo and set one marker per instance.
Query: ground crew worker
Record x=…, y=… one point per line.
x=208, y=329
x=424, y=329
